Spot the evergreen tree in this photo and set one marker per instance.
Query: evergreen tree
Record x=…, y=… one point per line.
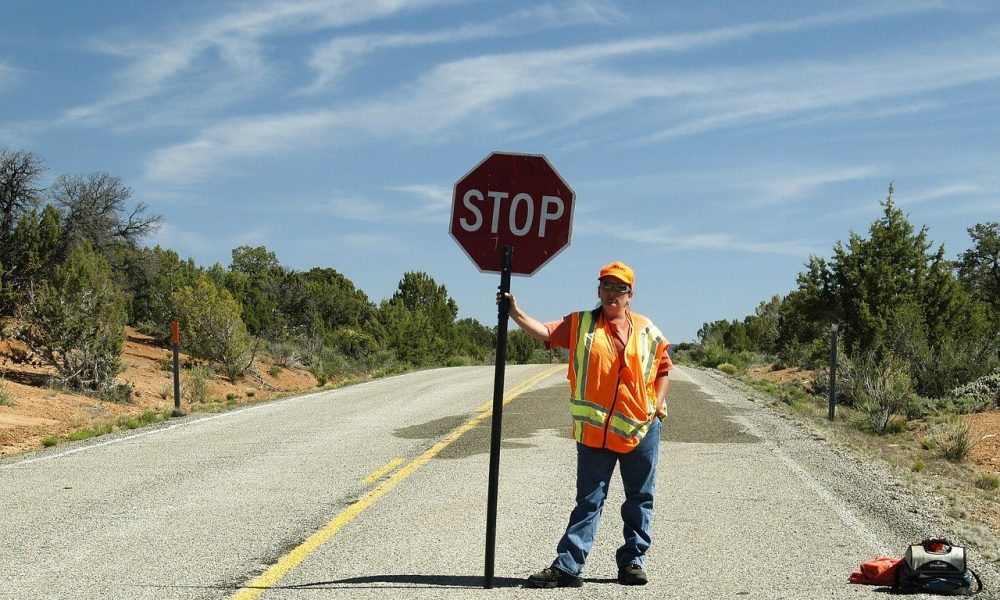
x=979, y=266
x=876, y=276
x=75, y=321
x=332, y=302
x=890, y=294
x=151, y=277
x=255, y=279
x=418, y=321
x=211, y=327
x=475, y=340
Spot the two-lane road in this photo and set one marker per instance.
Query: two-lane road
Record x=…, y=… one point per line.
x=381, y=489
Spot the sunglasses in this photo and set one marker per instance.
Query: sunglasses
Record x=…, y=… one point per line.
x=621, y=288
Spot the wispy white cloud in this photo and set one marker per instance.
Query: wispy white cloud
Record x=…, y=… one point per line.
x=667, y=238
x=185, y=242
x=535, y=92
x=770, y=189
x=238, y=138
x=8, y=77
x=234, y=38
x=436, y=202
x=955, y=190
x=419, y=203
x=335, y=57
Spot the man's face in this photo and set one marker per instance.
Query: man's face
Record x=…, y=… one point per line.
x=614, y=294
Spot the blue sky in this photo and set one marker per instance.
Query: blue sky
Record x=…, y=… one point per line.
x=712, y=145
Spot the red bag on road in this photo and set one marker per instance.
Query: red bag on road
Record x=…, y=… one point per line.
x=881, y=571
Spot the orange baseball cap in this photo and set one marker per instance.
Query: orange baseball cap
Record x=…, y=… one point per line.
x=619, y=271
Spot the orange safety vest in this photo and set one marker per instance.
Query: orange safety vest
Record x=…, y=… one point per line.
x=612, y=403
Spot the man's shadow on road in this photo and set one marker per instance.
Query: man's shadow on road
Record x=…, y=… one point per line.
x=405, y=581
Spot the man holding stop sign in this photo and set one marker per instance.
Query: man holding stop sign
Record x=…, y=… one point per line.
x=512, y=213
x=618, y=366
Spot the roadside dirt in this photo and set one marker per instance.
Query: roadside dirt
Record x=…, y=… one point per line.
x=985, y=426
x=955, y=482
x=37, y=411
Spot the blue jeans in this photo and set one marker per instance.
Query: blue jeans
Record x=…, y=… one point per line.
x=594, y=467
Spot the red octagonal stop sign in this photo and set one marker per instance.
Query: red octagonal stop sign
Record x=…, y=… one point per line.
x=515, y=200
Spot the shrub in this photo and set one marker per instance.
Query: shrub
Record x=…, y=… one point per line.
x=5, y=398
x=75, y=321
x=146, y=418
x=987, y=481
x=918, y=466
x=49, y=441
x=118, y=391
x=86, y=434
x=458, y=361
x=211, y=326
x=728, y=369
x=954, y=441
x=196, y=384
x=231, y=397
x=353, y=343
x=845, y=382
x=895, y=425
x=251, y=393
x=539, y=356
x=882, y=388
x=165, y=391
x=984, y=391
x=713, y=355
x=274, y=370
x=286, y=354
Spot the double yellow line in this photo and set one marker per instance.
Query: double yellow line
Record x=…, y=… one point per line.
x=286, y=563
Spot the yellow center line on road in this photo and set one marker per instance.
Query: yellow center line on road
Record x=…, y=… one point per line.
x=375, y=476
x=285, y=564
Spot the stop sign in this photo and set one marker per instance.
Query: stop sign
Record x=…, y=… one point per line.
x=515, y=200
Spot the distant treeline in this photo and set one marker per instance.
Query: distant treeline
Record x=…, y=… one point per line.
x=909, y=318
x=74, y=272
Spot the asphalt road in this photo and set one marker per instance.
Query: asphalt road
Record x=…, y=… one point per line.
x=381, y=489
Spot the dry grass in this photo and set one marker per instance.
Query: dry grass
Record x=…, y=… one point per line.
x=37, y=414
x=916, y=453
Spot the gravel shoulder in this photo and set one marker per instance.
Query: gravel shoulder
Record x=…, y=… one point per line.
x=889, y=507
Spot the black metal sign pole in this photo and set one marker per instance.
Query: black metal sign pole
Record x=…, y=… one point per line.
x=175, y=339
x=833, y=371
x=501, y=362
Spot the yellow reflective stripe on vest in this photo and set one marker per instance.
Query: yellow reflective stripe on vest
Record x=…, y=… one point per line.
x=581, y=354
x=627, y=428
x=587, y=412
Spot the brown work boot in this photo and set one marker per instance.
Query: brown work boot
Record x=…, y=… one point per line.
x=632, y=575
x=551, y=577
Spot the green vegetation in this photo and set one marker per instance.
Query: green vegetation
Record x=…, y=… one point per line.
x=919, y=347
x=75, y=321
x=86, y=434
x=49, y=441
x=196, y=384
x=987, y=481
x=954, y=440
x=5, y=398
x=147, y=417
x=919, y=334
x=73, y=269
